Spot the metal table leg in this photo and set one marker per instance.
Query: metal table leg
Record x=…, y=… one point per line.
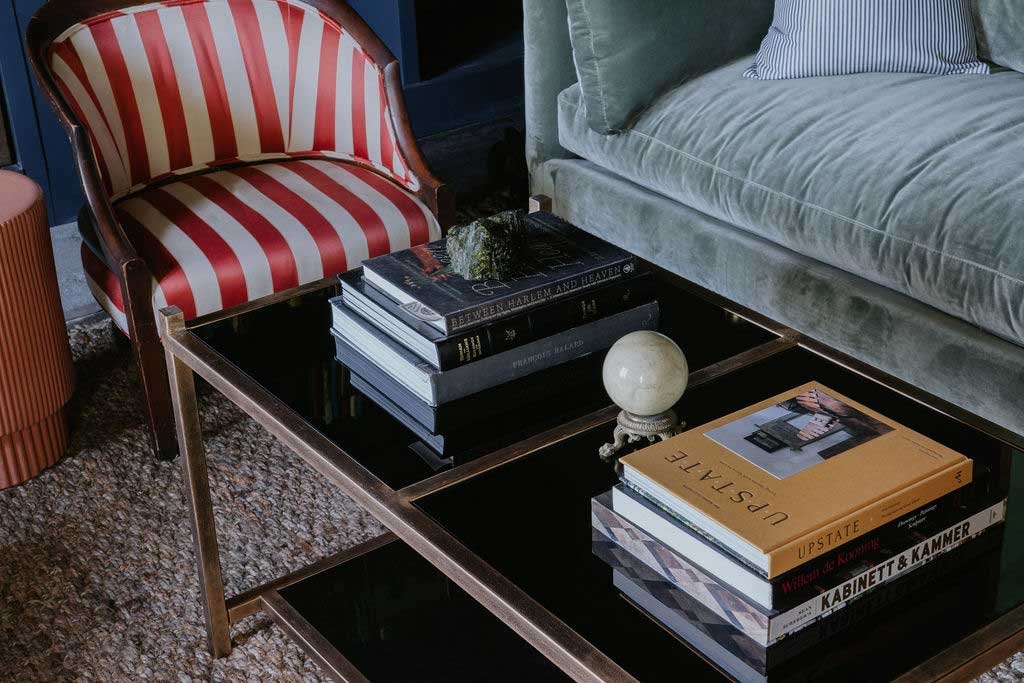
x=197, y=493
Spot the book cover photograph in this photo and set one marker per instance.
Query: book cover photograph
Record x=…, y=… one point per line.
x=818, y=471
x=798, y=432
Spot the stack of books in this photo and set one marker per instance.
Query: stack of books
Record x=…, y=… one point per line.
x=750, y=535
x=448, y=357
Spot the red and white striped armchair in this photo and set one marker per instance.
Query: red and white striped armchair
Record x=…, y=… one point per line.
x=231, y=151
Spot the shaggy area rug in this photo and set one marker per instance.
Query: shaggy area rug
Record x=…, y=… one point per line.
x=97, y=581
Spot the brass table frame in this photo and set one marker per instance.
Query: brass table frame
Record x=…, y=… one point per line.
x=188, y=355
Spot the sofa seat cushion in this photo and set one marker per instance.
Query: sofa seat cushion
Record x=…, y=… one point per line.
x=914, y=182
x=225, y=238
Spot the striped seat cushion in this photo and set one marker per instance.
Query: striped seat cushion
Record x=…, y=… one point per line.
x=177, y=86
x=224, y=238
x=838, y=37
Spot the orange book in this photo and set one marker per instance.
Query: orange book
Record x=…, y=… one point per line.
x=783, y=481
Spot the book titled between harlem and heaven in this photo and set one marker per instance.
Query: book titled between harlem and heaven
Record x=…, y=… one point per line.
x=450, y=351
x=563, y=261
x=786, y=480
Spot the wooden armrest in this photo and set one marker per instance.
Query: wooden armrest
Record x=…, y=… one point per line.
x=109, y=233
x=42, y=29
x=438, y=196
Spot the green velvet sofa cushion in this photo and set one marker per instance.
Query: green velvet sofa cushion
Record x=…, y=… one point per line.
x=914, y=182
x=1000, y=26
x=627, y=53
x=919, y=344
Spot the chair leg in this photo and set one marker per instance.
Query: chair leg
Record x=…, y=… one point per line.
x=149, y=358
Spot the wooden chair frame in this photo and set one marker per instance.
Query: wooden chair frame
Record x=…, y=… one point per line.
x=131, y=270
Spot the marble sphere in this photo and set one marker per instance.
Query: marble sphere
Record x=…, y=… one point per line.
x=645, y=373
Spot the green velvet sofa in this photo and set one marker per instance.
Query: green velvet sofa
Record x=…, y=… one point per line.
x=882, y=214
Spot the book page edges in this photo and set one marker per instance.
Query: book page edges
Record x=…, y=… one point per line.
x=868, y=518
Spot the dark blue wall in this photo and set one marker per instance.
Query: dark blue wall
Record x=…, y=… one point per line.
x=41, y=148
x=482, y=88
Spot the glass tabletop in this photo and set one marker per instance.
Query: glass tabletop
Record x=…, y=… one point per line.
x=530, y=518
x=288, y=349
x=391, y=601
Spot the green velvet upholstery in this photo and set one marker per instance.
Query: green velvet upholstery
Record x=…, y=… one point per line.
x=914, y=182
x=909, y=339
x=628, y=53
x=915, y=342
x=549, y=70
x=1000, y=25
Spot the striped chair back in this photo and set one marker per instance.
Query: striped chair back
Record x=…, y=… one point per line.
x=173, y=87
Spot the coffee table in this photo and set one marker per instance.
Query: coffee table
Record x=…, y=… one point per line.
x=488, y=571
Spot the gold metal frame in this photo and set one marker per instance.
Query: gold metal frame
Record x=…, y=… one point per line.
x=188, y=355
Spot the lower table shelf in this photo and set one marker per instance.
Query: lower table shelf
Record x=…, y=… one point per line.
x=391, y=616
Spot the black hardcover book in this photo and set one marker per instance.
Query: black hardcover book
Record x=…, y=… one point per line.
x=447, y=352
x=472, y=438
x=544, y=391
x=563, y=261
x=436, y=441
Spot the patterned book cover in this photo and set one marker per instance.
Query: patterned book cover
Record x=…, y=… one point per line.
x=696, y=614
x=744, y=616
x=563, y=260
x=824, y=571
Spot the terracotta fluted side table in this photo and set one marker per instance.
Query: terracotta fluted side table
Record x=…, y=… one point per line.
x=35, y=359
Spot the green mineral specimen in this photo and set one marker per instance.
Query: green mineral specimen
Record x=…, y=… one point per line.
x=490, y=248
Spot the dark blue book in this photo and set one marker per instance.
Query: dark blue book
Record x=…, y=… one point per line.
x=563, y=261
x=436, y=387
x=545, y=392
x=436, y=441
x=450, y=351
x=469, y=439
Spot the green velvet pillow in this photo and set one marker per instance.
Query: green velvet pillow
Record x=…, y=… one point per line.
x=1000, y=25
x=628, y=52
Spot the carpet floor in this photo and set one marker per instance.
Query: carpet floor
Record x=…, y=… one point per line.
x=97, y=580
x=96, y=566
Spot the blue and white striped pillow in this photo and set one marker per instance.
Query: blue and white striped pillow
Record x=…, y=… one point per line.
x=836, y=37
